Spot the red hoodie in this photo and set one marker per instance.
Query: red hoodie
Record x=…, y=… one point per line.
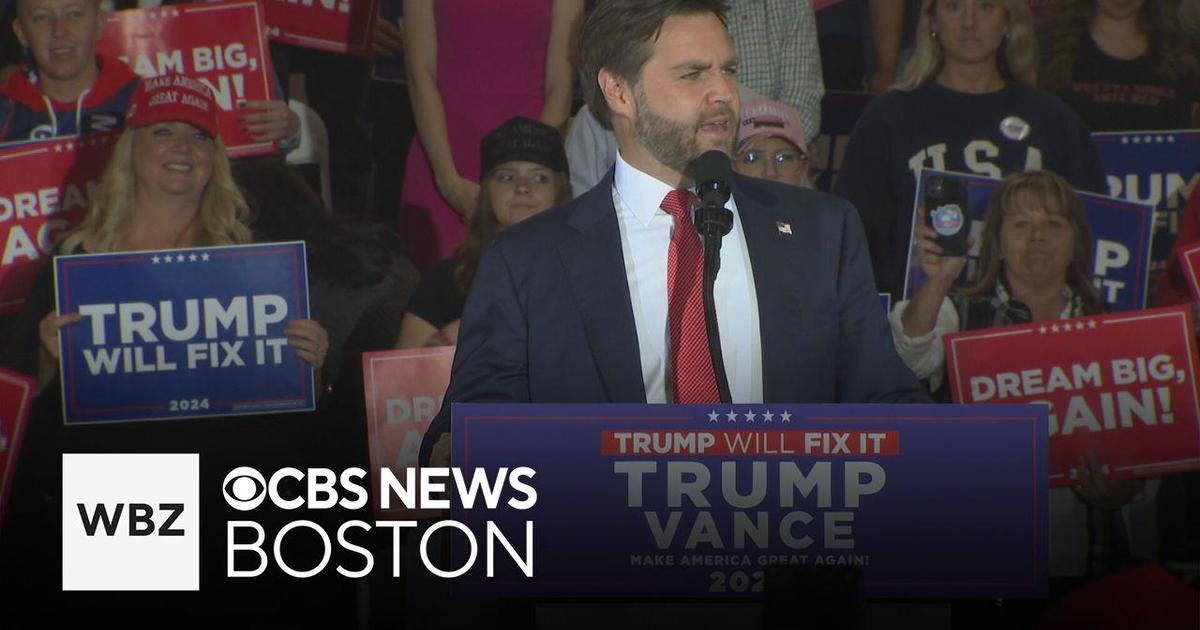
x=28, y=114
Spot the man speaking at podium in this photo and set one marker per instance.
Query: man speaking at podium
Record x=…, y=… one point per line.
x=601, y=300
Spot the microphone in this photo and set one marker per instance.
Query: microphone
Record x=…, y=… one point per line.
x=712, y=174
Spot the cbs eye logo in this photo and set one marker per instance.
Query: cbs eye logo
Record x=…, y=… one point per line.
x=244, y=488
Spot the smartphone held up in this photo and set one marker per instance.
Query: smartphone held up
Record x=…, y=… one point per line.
x=946, y=213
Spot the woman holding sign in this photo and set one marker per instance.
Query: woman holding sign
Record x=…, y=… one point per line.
x=1033, y=266
x=965, y=103
x=167, y=186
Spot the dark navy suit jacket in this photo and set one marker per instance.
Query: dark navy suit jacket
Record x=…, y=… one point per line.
x=549, y=317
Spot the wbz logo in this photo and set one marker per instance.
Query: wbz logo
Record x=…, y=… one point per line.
x=131, y=522
x=140, y=517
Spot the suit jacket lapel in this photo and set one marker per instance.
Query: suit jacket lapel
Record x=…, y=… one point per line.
x=774, y=266
x=595, y=270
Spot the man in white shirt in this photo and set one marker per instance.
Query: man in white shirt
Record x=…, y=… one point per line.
x=595, y=301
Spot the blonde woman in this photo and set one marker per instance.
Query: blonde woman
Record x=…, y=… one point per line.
x=167, y=185
x=965, y=102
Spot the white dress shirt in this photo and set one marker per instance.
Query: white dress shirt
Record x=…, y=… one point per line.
x=645, y=240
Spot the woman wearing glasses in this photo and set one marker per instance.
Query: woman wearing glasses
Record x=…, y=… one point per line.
x=771, y=143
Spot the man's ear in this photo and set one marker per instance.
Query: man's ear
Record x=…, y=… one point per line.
x=618, y=94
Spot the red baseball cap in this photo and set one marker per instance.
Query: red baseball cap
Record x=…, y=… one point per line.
x=174, y=97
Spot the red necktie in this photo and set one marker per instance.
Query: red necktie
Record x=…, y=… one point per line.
x=692, y=378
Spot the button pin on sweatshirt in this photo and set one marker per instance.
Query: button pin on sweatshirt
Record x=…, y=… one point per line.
x=1014, y=128
x=784, y=228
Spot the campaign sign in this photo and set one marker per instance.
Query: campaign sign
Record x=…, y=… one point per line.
x=16, y=395
x=340, y=26
x=1121, y=232
x=1157, y=168
x=404, y=390
x=1189, y=261
x=1122, y=386
x=182, y=333
x=222, y=44
x=699, y=501
x=46, y=189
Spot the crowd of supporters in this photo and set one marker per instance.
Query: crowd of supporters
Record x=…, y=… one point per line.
x=488, y=130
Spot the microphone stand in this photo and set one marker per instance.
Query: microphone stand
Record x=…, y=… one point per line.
x=714, y=221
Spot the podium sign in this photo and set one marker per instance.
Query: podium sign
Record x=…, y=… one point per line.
x=691, y=501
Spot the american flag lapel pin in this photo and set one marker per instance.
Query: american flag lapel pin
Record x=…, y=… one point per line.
x=784, y=228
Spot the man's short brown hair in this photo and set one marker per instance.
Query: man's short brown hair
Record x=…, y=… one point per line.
x=618, y=37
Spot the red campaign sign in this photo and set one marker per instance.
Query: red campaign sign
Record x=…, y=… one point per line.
x=46, y=189
x=404, y=390
x=1189, y=261
x=339, y=26
x=1122, y=386
x=219, y=43
x=16, y=395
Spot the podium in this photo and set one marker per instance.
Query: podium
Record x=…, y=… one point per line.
x=708, y=502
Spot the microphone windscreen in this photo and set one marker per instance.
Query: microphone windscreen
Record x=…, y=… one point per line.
x=712, y=165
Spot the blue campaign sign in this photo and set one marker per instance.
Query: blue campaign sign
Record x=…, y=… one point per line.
x=1158, y=168
x=182, y=333
x=692, y=501
x=1121, y=240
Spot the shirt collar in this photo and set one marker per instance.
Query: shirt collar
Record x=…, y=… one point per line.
x=643, y=194
x=1073, y=307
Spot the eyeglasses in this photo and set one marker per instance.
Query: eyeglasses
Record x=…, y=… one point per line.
x=786, y=161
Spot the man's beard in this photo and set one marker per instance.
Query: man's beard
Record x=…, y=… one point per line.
x=672, y=143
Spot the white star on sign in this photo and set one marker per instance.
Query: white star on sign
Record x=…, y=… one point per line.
x=192, y=258
x=768, y=416
x=154, y=259
x=731, y=416
x=179, y=258
x=167, y=259
x=750, y=416
x=786, y=416
x=1092, y=325
x=712, y=416
x=1042, y=330
x=1079, y=326
x=1054, y=328
x=204, y=256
